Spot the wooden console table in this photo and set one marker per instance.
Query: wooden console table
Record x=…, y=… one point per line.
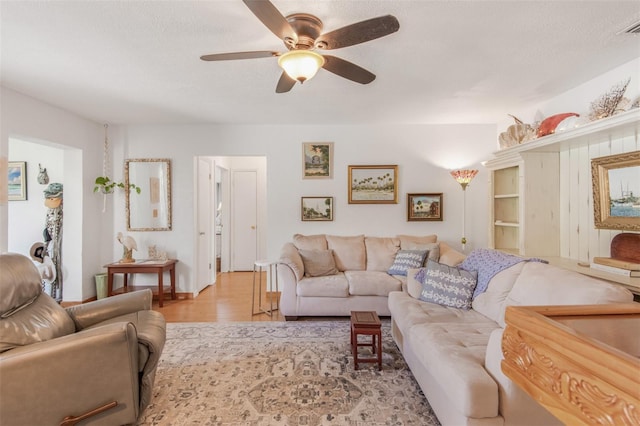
x=143, y=267
x=582, y=362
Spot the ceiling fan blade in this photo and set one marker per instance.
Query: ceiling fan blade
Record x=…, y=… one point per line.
x=359, y=32
x=271, y=17
x=285, y=83
x=239, y=55
x=347, y=70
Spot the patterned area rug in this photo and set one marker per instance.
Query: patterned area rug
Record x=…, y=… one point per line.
x=284, y=373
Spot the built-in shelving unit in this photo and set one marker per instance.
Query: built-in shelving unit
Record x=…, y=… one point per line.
x=524, y=183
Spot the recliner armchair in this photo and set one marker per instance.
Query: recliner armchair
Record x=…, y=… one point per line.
x=94, y=362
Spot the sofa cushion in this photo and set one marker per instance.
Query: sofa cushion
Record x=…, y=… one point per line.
x=318, y=263
x=349, y=252
x=381, y=252
x=371, y=283
x=406, y=259
x=449, y=256
x=407, y=242
x=329, y=286
x=454, y=354
x=543, y=284
x=310, y=242
x=407, y=312
x=491, y=303
x=447, y=285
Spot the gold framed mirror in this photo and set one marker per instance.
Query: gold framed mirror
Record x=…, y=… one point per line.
x=151, y=209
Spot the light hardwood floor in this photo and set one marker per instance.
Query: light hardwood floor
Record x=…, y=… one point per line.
x=228, y=300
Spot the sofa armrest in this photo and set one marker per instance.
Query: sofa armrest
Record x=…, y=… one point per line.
x=92, y=313
x=291, y=257
x=71, y=375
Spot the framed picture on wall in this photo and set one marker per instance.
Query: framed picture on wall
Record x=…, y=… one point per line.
x=317, y=208
x=373, y=184
x=616, y=191
x=424, y=207
x=317, y=160
x=17, y=179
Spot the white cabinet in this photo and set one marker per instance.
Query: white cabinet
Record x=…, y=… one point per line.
x=524, y=204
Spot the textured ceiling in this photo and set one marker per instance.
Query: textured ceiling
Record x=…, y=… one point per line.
x=450, y=62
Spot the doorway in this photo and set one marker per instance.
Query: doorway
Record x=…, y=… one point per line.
x=236, y=215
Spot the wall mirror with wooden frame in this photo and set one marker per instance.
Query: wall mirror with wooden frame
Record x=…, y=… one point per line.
x=151, y=209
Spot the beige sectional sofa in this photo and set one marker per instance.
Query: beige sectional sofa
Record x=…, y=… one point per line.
x=330, y=275
x=455, y=354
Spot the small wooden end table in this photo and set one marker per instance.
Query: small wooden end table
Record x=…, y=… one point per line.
x=143, y=267
x=366, y=323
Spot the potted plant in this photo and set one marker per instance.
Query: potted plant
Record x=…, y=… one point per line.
x=105, y=185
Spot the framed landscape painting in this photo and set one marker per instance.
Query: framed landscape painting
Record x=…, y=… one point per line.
x=317, y=160
x=17, y=179
x=616, y=191
x=373, y=184
x=424, y=207
x=317, y=208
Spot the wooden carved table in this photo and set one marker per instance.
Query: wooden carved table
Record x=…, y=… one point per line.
x=580, y=362
x=143, y=267
x=366, y=323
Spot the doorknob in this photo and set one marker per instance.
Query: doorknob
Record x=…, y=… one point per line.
x=201, y=233
x=253, y=227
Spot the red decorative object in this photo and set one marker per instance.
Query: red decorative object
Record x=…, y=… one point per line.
x=549, y=124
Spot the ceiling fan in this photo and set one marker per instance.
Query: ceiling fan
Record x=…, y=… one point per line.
x=302, y=35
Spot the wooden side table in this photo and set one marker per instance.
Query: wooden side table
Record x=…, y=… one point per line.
x=143, y=267
x=366, y=323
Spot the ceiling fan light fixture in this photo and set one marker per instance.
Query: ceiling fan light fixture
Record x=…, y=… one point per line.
x=301, y=65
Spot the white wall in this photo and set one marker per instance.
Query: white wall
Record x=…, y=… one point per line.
x=424, y=153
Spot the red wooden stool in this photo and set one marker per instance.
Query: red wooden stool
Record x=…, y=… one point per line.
x=366, y=323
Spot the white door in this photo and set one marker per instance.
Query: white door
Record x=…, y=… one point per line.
x=244, y=217
x=204, y=213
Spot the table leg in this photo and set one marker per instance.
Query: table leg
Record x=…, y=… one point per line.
x=379, y=351
x=109, y=283
x=172, y=275
x=160, y=288
x=126, y=282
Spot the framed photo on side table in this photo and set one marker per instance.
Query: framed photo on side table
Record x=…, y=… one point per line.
x=373, y=184
x=17, y=179
x=616, y=191
x=317, y=208
x=317, y=160
x=424, y=207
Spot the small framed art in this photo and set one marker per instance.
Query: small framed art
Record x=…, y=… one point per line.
x=373, y=184
x=17, y=179
x=424, y=207
x=317, y=208
x=317, y=160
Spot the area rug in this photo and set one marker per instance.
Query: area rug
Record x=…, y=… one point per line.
x=284, y=373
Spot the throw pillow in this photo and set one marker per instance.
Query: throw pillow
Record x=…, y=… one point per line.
x=310, y=242
x=318, y=263
x=449, y=256
x=432, y=248
x=406, y=259
x=447, y=285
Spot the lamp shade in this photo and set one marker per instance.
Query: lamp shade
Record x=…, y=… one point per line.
x=301, y=65
x=464, y=177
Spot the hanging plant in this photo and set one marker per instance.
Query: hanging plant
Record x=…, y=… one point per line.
x=106, y=186
x=103, y=183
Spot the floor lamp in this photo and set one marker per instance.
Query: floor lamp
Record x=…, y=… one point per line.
x=464, y=177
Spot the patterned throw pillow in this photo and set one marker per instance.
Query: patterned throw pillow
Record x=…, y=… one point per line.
x=447, y=285
x=407, y=259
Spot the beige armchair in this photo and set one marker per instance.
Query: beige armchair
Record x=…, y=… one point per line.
x=94, y=363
